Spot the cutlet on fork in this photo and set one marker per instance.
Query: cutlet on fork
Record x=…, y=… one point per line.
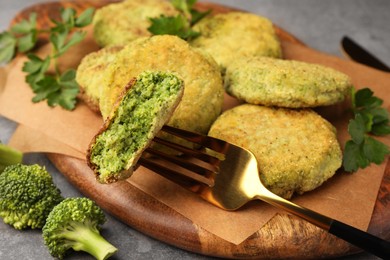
x=227, y=176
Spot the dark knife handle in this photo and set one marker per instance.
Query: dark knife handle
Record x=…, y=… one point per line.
x=359, y=54
x=364, y=240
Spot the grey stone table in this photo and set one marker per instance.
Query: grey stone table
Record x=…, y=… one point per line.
x=319, y=24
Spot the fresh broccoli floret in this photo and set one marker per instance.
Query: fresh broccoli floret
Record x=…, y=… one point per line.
x=75, y=223
x=27, y=195
x=9, y=156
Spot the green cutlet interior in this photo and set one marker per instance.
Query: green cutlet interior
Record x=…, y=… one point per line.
x=134, y=122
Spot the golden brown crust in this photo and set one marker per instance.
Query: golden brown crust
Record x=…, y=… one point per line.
x=203, y=97
x=104, y=127
x=89, y=75
x=297, y=150
x=285, y=83
x=237, y=34
x=90, y=102
x=126, y=21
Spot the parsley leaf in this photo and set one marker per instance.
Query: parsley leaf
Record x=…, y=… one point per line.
x=381, y=129
x=62, y=42
x=57, y=88
x=354, y=157
x=69, y=90
x=369, y=119
x=85, y=18
x=25, y=26
x=22, y=37
x=357, y=129
x=44, y=88
x=179, y=25
x=67, y=16
x=364, y=98
x=36, y=69
x=185, y=6
x=27, y=42
x=173, y=25
x=25, y=33
x=58, y=91
x=7, y=47
x=374, y=150
x=196, y=16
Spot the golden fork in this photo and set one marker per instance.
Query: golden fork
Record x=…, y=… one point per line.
x=227, y=176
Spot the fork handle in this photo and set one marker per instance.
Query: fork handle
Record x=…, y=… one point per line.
x=354, y=236
x=364, y=240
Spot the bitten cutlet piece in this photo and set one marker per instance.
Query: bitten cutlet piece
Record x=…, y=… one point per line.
x=143, y=108
x=203, y=96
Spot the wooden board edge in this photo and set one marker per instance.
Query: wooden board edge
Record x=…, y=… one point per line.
x=191, y=237
x=168, y=226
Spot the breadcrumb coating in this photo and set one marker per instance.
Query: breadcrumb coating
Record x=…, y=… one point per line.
x=123, y=22
x=285, y=83
x=90, y=74
x=203, y=92
x=236, y=34
x=296, y=150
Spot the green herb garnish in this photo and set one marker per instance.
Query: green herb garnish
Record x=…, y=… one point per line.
x=58, y=88
x=370, y=119
x=22, y=37
x=179, y=25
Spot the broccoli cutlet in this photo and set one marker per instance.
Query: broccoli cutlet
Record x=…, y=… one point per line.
x=121, y=23
x=285, y=83
x=231, y=35
x=90, y=73
x=145, y=106
x=203, y=96
x=296, y=150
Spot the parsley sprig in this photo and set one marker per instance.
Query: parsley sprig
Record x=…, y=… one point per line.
x=21, y=37
x=181, y=24
x=370, y=119
x=58, y=88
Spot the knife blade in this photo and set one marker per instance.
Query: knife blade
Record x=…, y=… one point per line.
x=359, y=54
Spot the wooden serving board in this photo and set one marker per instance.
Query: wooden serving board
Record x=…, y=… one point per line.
x=283, y=237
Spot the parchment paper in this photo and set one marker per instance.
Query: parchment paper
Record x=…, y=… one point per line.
x=349, y=198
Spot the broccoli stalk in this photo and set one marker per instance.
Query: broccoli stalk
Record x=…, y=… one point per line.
x=27, y=195
x=75, y=223
x=88, y=239
x=8, y=156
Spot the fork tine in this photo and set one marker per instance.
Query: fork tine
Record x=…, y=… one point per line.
x=215, y=144
x=195, y=170
x=238, y=182
x=186, y=179
x=199, y=154
x=182, y=162
x=166, y=172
